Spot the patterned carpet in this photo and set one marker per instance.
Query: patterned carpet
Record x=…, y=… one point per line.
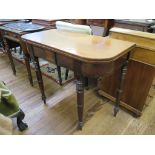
x=48, y=69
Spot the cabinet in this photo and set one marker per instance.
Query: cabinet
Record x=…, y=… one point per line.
x=140, y=73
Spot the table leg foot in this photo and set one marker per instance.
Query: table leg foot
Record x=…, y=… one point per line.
x=14, y=73
x=80, y=125
x=21, y=125
x=44, y=99
x=116, y=110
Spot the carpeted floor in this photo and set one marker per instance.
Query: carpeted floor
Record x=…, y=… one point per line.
x=48, y=69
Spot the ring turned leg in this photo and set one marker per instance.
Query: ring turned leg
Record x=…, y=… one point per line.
x=21, y=125
x=80, y=101
x=10, y=56
x=39, y=78
x=120, y=88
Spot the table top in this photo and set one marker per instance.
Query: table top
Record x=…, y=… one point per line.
x=5, y=21
x=82, y=46
x=26, y=27
x=19, y=27
x=141, y=22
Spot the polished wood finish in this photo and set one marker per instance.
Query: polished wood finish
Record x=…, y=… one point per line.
x=83, y=47
x=84, y=54
x=135, y=24
x=140, y=74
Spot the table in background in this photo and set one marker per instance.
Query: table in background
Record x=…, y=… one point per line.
x=11, y=34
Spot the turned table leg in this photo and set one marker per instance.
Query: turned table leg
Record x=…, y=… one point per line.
x=66, y=74
x=80, y=100
x=9, y=55
x=121, y=83
x=59, y=74
x=27, y=62
x=58, y=69
x=38, y=72
x=39, y=78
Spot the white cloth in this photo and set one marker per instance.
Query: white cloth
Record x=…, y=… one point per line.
x=73, y=27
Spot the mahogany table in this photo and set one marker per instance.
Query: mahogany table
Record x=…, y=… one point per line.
x=90, y=56
x=11, y=34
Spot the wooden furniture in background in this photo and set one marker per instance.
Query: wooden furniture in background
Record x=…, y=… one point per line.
x=50, y=23
x=135, y=24
x=78, y=21
x=86, y=55
x=103, y=23
x=140, y=74
x=106, y=23
x=3, y=22
x=12, y=38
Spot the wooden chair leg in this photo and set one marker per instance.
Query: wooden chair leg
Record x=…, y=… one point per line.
x=21, y=125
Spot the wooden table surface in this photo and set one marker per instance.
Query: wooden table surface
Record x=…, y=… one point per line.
x=82, y=46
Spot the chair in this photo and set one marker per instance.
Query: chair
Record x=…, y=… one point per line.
x=9, y=106
x=65, y=26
